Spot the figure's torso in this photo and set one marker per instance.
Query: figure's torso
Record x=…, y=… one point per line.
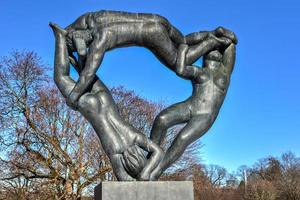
x=209, y=94
x=126, y=29
x=102, y=18
x=115, y=135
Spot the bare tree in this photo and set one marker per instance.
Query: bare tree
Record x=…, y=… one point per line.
x=45, y=142
x=288, y=185
x=274, y=178
x=216, y=175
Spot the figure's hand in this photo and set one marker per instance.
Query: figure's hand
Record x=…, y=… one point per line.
x=72, y=101
x=224, y=41
x=223, y=32
x=58, y=29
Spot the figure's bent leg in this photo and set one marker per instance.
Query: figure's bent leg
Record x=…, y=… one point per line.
x=196, y=128
x=173, y=115
x=158, y=40
x=176, y=36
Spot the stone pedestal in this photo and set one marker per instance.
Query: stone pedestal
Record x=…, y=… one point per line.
x=156, y=190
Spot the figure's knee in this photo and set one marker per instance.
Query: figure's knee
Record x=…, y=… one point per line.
x=183, y=139
x=195, y=132
x=162, y=121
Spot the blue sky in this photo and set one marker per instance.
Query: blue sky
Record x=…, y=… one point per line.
x=260, y=115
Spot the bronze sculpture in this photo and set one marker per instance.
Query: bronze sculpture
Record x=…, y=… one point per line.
x=199, y=111
x=97, y=106
x=92, y=34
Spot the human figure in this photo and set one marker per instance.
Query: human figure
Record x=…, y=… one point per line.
x=199, y=111
x=123, y=144
x=92, y=34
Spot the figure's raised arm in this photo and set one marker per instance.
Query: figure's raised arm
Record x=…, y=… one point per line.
x=61, y=62
x=229, y=58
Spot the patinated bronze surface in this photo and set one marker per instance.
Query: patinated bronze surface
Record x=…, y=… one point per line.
x=84, y=43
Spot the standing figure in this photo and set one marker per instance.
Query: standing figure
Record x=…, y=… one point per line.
x=92, y=34
x=199, y=111
x=123, y=144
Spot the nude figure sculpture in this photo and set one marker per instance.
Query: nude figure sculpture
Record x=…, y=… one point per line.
x=199, y=111
x=133, y=156
x=121, y=142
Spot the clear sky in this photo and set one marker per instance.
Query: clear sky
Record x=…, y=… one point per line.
x=260, y=115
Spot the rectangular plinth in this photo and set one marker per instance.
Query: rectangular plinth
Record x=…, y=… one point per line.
x=156, y=190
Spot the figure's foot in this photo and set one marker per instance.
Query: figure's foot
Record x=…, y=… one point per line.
x=144, y=177
x=57, y=29
x=156, y=174
x=223, y=32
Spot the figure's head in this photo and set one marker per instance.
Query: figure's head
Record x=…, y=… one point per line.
x=213, y=60
x=77, y=39
x=134, y=160
x=78, y=31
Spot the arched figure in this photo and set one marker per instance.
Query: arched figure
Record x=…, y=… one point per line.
x=92, y=34
x=123, y=144
x=199, y=111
